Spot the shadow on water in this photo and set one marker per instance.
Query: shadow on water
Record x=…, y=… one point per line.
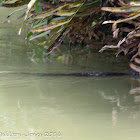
x=67, y=108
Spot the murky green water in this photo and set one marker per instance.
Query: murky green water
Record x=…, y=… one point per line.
x=66, y=108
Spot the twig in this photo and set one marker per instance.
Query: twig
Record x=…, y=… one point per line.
x=16, y=11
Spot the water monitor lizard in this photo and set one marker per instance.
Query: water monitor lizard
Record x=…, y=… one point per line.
x=85, y=74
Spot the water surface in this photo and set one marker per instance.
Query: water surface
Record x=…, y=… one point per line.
x=66, y=108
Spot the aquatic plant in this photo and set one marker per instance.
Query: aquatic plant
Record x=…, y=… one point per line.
x=82, y=20
x=59, y=18
x=128, y=13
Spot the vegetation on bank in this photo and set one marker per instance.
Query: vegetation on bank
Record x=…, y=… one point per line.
x=116, y=23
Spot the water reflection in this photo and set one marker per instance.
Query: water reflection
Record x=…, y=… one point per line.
x=135, y=91
x=79, y=108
